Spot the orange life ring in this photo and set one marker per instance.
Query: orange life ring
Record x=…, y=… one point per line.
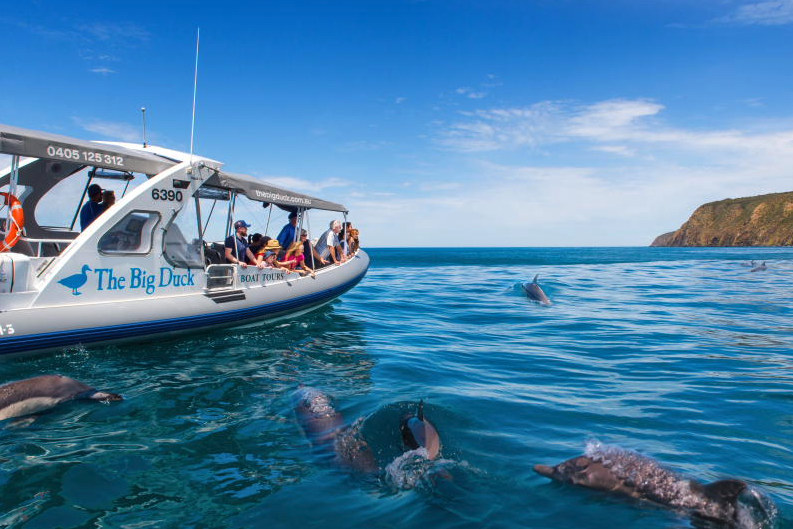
x=18, y=222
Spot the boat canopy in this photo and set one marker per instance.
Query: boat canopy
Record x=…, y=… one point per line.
x=260, y=191
x=36, y=144
x=75, y=153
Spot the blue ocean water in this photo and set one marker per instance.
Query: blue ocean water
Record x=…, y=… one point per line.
x=683, y=355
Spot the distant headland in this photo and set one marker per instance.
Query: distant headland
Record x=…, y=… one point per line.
x=763, y=220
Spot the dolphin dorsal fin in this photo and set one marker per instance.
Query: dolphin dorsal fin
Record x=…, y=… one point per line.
x=535, y=279
x=726, y=490
x=420, y=413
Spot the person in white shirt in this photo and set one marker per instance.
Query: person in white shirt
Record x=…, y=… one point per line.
x=328, y=247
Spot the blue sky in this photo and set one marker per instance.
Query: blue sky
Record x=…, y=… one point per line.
x=438, y=123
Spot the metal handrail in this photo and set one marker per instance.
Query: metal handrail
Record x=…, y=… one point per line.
x=224, y=276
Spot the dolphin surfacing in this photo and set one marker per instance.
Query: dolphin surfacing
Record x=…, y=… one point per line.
x=628, y=473
x=36, y=394
x=325, y=429
x=418, y=432
x=535, y=292
x=759, y=268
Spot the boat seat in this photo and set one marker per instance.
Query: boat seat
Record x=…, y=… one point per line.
x=52, y=249
x=25, y=248
x=214, y=253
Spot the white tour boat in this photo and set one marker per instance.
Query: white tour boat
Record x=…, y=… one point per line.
x=145, y=266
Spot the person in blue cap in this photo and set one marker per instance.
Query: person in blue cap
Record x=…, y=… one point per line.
x=93, y=208
x=237, y=250
x=288, y=233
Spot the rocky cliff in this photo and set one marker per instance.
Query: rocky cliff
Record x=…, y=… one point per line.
x=764, y=220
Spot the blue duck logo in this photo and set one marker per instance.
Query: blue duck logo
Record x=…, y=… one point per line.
x=76, y=281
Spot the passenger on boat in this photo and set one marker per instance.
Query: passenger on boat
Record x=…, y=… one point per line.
x=312, y=257
x=288, y=233
x=268, y=244
x=295, y=259
x=346, y=240
x=108, y=199
x=328, y=246
x=349, y=238
x=256, y=244
x=355, y=241
x=271, y=246
x=270, y=261
x=93, y=208
x=237, y=250
x=260, y=248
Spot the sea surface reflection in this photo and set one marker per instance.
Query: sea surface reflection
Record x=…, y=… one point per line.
x=681, y=355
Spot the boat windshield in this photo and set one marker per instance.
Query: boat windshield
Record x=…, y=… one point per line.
x=52, y=194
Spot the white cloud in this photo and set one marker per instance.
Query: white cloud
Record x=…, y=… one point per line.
x=438, y=186
x=754, y=102
x=102, y=71
x=111, y=130
x=471, y=93
x=620, y=150
x=513, y=205
x=612, y=119
x=634, y=124
x=306, y=186
x=490, y=130
x=103, y=31
x=658, y=175
x=768, y=13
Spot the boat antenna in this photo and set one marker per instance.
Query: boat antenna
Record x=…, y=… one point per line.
x=143, y=112
x=195, y=90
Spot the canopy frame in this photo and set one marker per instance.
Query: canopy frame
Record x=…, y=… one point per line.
x=261, y=191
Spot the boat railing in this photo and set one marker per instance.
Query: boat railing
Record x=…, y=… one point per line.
x=221, y=276
x=41, y=247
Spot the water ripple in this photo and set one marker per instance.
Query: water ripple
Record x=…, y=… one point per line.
x=679, y=354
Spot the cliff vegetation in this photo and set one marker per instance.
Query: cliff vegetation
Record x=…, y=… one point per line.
x=763, y=220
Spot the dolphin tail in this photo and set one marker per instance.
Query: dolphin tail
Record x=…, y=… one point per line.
x=535, y=279
x=544, y=470
x=725, y=491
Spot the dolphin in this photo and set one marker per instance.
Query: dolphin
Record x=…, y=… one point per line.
x=759, y=268
x=630, y=474
x=41, y=393
x=534, y=292
x=418, y=432
x=317, y=417
x=325, y=429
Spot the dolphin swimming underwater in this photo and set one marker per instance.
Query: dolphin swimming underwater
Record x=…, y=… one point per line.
x=534, y=292
x=41, y=393
x=627, y=473
x=418, y=432
x=324, y=427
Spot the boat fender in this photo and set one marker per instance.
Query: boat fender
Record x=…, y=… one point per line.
x=17, y=222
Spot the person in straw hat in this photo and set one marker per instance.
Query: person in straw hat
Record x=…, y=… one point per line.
x=270, y=245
